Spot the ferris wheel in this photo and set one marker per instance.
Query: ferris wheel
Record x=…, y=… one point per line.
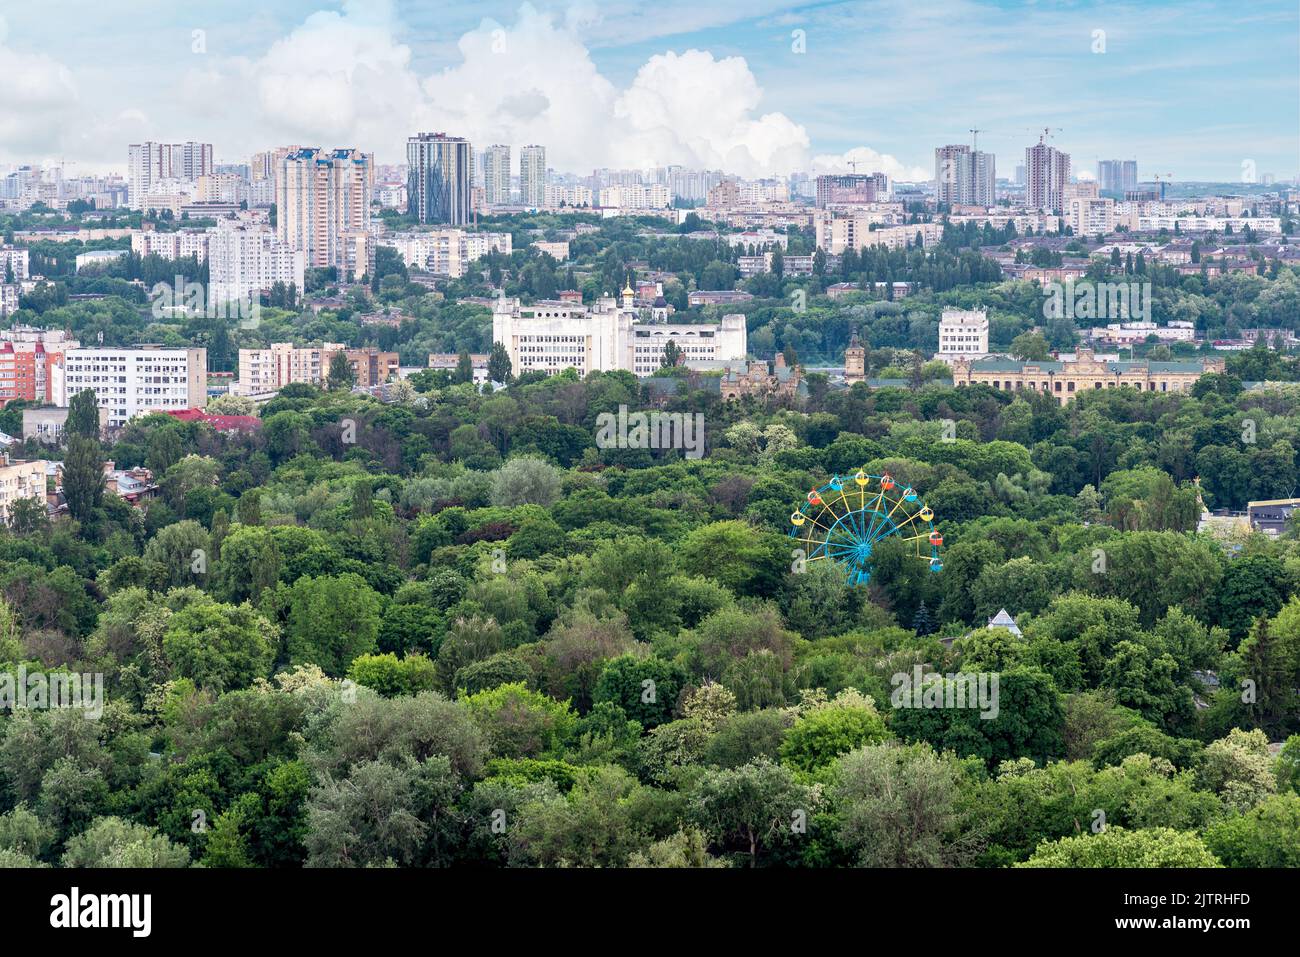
x=844, y=520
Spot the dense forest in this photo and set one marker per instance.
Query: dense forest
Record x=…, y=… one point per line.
x=451, y=630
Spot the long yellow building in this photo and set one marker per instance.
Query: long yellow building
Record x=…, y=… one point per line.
x=1065, y=380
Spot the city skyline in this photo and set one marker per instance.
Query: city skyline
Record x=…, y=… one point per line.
x=599, y=87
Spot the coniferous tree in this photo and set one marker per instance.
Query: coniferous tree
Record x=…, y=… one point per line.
x=340, y=374
x=922, y=622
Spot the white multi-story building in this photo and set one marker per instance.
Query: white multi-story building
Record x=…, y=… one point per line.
x=14, y=262
x=963, y=334
x=553, y=336
x=836, y=234
x=245, y=260
x=1047, y=170
x=559, y=251
x=635, y=196
x=1131, y=333
x=446, y=252
x=136, y=381
x=21, y=480
x=1090, y=216
x=268, y=370
x=222, y=188
x=391, y=195
x=557, y=196
x=532, y=176
x=1023, y=221
x=1201, y=224
x=496, y=175
x=762, y=191
x=151, y=163
x=177, y=245
x=964, y=177
x=98, y=257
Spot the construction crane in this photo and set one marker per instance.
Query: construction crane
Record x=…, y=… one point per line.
x=1168, y=178
x=1047, y=133
x=975, y=139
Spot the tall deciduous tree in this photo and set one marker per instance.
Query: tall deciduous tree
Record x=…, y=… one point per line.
x=83, y=476
x=499, y=366
x=83, y=415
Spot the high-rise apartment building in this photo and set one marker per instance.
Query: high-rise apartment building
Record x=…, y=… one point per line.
x=149, y=163
x=263, y=165
x=964, y=177
x=496, y=175
x=532, y=176
x=1117, y=176
x=690, y=183
x=438, y=178
x=322, y=203
x=984, y=178
x=851, y=189
x=136, y=381
x=1047, y=170
x=245, y=260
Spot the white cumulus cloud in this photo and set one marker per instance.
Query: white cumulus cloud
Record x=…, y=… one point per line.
x=344, y=79
x=39, y=96
x=868, y=160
